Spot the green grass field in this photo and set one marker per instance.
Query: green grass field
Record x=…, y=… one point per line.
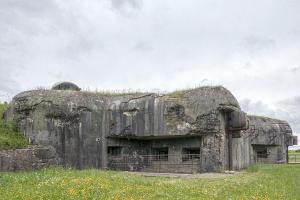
x=294, y=156
x=258, y=182
x=9, y=136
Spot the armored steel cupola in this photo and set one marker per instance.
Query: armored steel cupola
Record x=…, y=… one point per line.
x=65, y=86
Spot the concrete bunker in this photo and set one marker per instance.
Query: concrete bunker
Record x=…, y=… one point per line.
x=268, y=154
x=197, y=130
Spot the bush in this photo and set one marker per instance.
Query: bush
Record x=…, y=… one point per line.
x=10, y=138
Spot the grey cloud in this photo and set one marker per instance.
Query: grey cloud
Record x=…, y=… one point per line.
x=292, y=111
x=126, y=6
x=295, y=69
x=255, y=43
x=256, y=107
x=29, y=14
x=247, y=66
x=292, y=102
x=288, y=109
x=8, y=86
x=28, y=6
x=119, y=4
x=142, y=46
x=34, y=32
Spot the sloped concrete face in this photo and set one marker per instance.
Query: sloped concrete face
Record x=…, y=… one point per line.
x=123, y=131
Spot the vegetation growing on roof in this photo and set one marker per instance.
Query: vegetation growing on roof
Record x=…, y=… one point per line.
x=181, y=92
x=106, y=93
x=9, y=136
x=126, y=92
x=178, y=93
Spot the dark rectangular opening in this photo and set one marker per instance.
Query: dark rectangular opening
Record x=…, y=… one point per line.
x=114, y=151
x=190, y=154
x=160, y=154
x=261, y=151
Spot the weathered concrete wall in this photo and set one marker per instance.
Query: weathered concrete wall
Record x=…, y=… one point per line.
x=275, y=135
x=80, y=126
x=33, y=157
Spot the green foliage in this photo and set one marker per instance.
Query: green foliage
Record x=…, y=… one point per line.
x=268, y=182
x=9, y=136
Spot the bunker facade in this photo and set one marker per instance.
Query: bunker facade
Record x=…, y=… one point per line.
x=197, y=130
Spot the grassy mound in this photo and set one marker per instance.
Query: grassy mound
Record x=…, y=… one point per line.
x=260, y=182
x=9, y=136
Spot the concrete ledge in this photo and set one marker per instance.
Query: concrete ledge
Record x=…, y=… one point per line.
x=31, y=158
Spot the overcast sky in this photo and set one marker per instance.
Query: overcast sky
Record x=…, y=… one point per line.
x=251, y=47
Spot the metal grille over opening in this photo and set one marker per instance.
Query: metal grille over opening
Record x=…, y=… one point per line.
x=190, y=154
x=160, y=154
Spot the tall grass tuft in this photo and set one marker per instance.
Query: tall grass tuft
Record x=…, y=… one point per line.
x=252, y=169
x=10, y=138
